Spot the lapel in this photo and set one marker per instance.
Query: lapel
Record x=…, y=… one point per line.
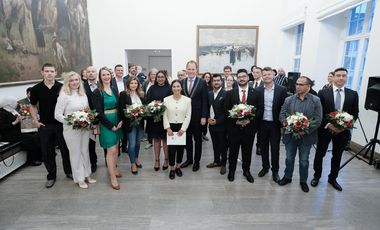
x=275, y=96
x=330, y=97
x=195, y=84
x=347, y=99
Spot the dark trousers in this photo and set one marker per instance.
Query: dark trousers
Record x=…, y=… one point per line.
x=175, y=149
x=194, y=131
x=270, y=134
x=246, y=142
x=91, y=149
x=204, y=129
x=258, y=142
x=49, y=135
x=339, y=141
x=219, y=144
x=31, y=143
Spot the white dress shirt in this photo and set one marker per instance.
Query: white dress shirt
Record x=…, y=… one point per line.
x=268, y=103
x=241, y=93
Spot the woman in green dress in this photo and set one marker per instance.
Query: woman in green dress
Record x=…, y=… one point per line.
x=105, y=101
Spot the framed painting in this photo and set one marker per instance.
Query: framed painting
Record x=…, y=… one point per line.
x=218, y=46
x=35, y=32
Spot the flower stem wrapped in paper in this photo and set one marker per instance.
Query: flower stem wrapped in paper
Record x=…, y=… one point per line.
x=156, y=110
x=83, y=119
x=134, y=113
x=341, y=120
x=298, y=125
x=242, y=112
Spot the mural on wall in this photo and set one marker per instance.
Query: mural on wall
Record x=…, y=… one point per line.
x=33, y=32
x=218, y=46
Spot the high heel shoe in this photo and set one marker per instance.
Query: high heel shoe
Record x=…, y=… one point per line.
x=115, y=186
x=156, y=168
x=164, y=167
x=134, y=172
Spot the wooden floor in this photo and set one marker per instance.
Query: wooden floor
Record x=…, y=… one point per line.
x=200, y=200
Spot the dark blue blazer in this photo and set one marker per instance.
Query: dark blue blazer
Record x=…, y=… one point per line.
x=199, y=98
x=218, y=106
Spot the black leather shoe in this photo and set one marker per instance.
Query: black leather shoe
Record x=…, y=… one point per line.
x=70, y=176
x=284, y=181
x=276, y=177
x=35, y=163
x=213, y=165
x=314, y=182
x=178, y=172
x=223, y=170
x=304, y=186
x=335, y=184
x=248, y=176
x=139, y=166
x=231, y=176
x=263, y=172
x=171, y=174
x=49, y=183
x=186, y=163
x=195, y=167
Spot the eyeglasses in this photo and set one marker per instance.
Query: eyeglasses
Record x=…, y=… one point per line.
x=299, y=84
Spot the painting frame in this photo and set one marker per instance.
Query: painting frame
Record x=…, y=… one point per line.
x=217, y=46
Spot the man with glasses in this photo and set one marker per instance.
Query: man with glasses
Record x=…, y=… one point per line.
x=310, y=106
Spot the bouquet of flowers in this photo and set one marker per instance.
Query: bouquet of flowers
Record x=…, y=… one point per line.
x=155, y=109
x=341, y=119
x=134, y=113
x=24, y=110
x=83, y=119
x=242, y=112
x=298, y=124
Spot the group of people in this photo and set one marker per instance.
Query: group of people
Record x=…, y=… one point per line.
x=192, y=103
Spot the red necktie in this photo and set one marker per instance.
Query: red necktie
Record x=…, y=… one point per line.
x=244, y=97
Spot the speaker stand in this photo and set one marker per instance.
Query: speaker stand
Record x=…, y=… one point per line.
x=369, y=147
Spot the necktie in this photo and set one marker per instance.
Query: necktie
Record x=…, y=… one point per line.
x=256, y=84
x=191, y=85
x=338, y=99
x=244, y=97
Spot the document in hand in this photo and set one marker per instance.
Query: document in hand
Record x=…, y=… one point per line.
x=175, y=139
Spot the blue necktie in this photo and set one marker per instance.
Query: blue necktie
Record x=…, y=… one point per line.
x=338, y=99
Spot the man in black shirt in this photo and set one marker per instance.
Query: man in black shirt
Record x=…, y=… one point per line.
x=45, y=94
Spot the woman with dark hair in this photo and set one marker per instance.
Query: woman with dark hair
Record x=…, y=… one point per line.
x=207, y=77
x=133, y=94
x=158, y=92
x=176, y=119
x=105, y=101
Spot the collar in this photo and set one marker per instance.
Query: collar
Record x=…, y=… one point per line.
x=335, y=88
x=271, y=87
x=217, y=92
x=240, y=89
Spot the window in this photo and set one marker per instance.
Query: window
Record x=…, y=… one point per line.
x=356, y=42
x=297, y=55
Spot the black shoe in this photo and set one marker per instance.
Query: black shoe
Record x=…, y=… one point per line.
x=275, y=177
x=231, y=176
x=335, y=184
x=178, y=172
x=284, y=181
x=258, y=151
x=213, y=165
x=35, y=163
x=186, y=163
x=304, y=186
x=248, y=176
x=70, y=176
x=49, y=183
x=195, y=167
x=263, y=172
x=314, y=182
x=223, y=170
x=94, y=168
x=171, y=174
x=139, y=166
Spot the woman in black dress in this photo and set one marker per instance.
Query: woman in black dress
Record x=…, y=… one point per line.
x=158, y=92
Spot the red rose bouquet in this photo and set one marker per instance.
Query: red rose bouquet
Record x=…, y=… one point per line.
x=298, y=124
x=83, y=119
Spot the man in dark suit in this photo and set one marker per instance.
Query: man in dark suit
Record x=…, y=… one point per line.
x=118, y=80
x=196, y=89
x=270, y=126
x=217, y=125
x=227, y=71
x=132, y=71
x=242, y=133
x=334, y=98
x=89, y=86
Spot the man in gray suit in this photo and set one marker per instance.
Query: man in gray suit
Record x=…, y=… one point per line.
x=310, y=105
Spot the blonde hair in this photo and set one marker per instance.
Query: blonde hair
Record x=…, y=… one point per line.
x=66, y=81
x=139, y=90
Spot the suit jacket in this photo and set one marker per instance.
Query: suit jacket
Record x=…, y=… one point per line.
x=279, y=96
x=98, y=105
x=114, y=83
x=199, y=97
x=139, y=76
x=250, y=83
x=350, y=104
x=254, y=98
x=125, y=100
x=218, y=106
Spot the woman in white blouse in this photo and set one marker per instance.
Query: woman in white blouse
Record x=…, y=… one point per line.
x=72, y=98
x=176, y=119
